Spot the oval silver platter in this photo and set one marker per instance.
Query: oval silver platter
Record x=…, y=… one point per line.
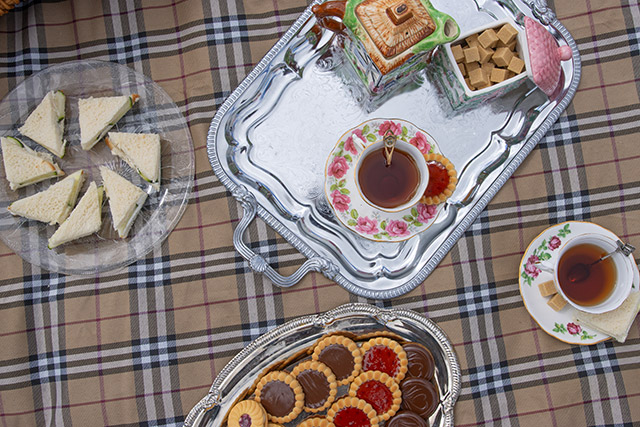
x=269, y=142
x=297, y=335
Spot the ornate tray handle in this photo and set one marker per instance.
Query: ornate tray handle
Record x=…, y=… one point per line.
x=257, y=262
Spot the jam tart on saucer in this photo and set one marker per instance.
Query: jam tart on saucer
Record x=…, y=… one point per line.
x=380, y=391
x=281, y=396
x=443, y=179
x=247, y=413
x=352, y=412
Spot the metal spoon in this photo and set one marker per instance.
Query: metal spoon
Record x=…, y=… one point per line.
x=580, y=271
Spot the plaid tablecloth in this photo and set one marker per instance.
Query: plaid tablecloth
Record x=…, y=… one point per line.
x=143, y=345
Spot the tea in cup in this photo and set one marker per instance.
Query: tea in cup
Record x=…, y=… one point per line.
x=391, y=187
x=585, y=282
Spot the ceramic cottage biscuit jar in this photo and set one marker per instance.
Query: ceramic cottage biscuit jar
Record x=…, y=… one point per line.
x=387, y=40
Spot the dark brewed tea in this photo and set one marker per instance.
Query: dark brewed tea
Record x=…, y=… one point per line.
x=597, y=285
x=388, y=186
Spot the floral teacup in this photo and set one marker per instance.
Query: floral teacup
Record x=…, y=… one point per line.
x=348, y=204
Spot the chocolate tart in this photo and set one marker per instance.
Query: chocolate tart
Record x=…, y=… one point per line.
x=384, y=355
x=379, y=390
x=421, y=362
x=419, y=396
x=443, y=179
x=316, y=422
x=352, y=412
x=318, y=384
x=341, y=355
x=406, y=419
x=281, y=396
x=247, y=413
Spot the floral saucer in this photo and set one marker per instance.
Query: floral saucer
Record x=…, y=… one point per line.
x=345, y=199
x=558, y=324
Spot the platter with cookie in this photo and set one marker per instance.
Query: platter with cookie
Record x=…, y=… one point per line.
x=374, y=133
x=356, y=365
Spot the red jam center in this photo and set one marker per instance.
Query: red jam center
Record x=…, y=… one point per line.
x=245, y=420
x=377, y=395
x=381, y=358
x=351, y=417
x=438, y=179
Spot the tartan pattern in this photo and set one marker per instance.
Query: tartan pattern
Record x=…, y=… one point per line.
x=142, y=345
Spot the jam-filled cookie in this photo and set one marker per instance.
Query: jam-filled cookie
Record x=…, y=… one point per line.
x=318, y=383
x=247, y=413
x=443, y=179
x=352, y=412
x=384, y=355
x=316, y=422
x=281, y=396
x=341, y=355
x=379, y=390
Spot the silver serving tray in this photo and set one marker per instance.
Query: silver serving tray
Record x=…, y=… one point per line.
x=269, y=142
x=296, y=336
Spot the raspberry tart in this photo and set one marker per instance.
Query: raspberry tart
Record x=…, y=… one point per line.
x=384, y=355
x=442, y=179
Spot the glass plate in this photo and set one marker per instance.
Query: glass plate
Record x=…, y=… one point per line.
x=154, y=112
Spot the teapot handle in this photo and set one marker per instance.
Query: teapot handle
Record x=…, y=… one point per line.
x=330, y=13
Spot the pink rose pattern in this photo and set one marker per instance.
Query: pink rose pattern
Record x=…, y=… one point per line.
x=349, y=146
x=420, y=142
x=338, y=167
x=397, y=228
x=396, y=128
x=367, y=225
x=573, y=328
x=426, y=212
x=543, y=253
x=530, y=267
x=340, y=201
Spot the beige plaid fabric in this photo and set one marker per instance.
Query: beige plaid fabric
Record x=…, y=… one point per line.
x=141, y=346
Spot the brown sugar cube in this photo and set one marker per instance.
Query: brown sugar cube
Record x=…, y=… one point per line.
x=516, y=65
x=472, y=66
x=487, y=67
x=468, y=82
x=471, y=54
x=488, y=39
x=507, y=33
x=485, y=54
x=499, y=75
x=472, y=40
x=457, y=53
x=502, y=57
x=547, y=288
x=557, y=302
x=478, y=78
x=463, y=69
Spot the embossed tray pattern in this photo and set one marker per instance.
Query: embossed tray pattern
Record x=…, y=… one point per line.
x=269, y=141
